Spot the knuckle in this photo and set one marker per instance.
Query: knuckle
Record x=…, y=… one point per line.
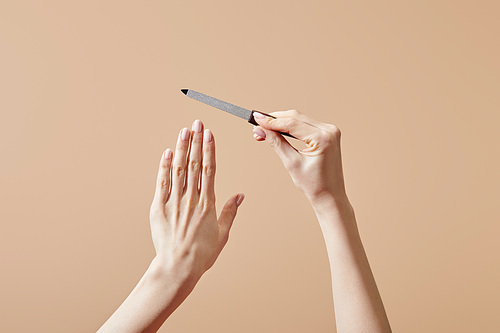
x=164, y=183
x=194, y=166
x=197, y=138
x=294, y=112
x=268, y=121
x=179, y=170
x=209, y=169
x=165, y=164
x=274, y=142
x=207, y=147
x=324, y=138
x=329, y=136
x=233, y=210
x=334, y=130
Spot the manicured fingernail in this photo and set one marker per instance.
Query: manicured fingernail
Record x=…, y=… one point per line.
x=185, y=134
x=258, y=115
x=167, y=154
x=259, y=132
x=239, y=199
x=207, y=136
x=197, y=126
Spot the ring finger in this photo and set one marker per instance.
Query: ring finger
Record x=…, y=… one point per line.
x=195, y=159
x=179, y=164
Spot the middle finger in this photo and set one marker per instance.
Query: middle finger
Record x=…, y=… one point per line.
x=195, y=159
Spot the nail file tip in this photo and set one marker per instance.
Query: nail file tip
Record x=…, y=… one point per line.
x=185, y=91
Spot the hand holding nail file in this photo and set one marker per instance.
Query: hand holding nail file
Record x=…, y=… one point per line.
x=228, y=107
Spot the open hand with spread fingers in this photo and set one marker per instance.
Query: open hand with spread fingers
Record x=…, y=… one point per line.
x=187, y=234
x=184, y=225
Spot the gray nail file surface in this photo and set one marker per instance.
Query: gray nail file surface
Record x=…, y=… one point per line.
x=217, y=103
x=228, y=107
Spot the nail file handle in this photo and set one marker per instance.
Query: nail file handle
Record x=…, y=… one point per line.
x=253, y=122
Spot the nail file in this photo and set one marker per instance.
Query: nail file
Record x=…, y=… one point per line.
x=228, y=107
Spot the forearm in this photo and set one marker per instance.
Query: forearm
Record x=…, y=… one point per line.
x=357, y=302
x=159, y=292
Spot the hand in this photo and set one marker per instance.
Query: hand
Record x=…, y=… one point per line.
x=317, y=169
x=186, y=232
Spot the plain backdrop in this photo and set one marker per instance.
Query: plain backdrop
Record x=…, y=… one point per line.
x=90, y=97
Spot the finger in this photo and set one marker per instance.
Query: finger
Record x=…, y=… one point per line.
x=195, y=158
x=258, y=137
x=287, y=153
x=179, y=164
x=301, y=130
x=227, y=216
x=208, y=170
x=328, y=128
x=163, y=179
x=300, y=116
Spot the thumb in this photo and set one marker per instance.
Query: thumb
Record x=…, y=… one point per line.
x=228, y=214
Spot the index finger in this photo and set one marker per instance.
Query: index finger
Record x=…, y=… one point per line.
x=207, y=192
x=293, y=126
x=300, y=116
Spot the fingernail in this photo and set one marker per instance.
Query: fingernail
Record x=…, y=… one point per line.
x=207, y=136
x=259, y=132
x=197, y=126
x=167, y=154
x=239, y=199
x=185, y=134
x=258, y=115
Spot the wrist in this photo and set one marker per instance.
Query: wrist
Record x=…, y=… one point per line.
x=328, y=201
x=175, y=274
x=332, y=207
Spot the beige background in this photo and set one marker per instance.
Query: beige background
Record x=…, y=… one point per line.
x=89, y=99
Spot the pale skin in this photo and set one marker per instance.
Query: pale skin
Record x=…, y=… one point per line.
x=317, y=171
x=188, y=236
